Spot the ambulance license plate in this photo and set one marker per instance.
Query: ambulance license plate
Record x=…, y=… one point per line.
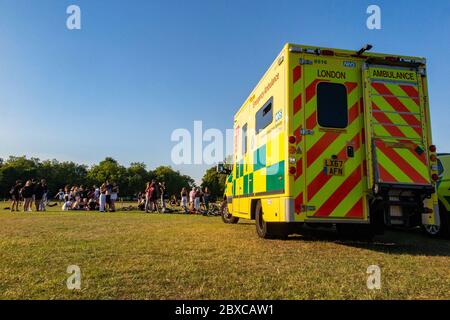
x=334, y=167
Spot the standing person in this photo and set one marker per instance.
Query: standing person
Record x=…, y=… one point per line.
x=15, y=195
x=191, y=200
x=102, y=198
x=33, y=187
x=43, y=203
x=147, y=197
x=197, y=197
x=27, y=195
x=206, y=198
x=162, y=190
x=114, y=196
x=184, y=199
x=38, y=195
x=108, y=195
x=154, y=196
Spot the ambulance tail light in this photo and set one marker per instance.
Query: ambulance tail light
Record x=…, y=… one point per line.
x=292, y=170
x=435, y=177
x=292, y=139
x=433, y=148
x=433, y=158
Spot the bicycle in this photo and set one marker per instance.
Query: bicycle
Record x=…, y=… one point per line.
x=213, y=210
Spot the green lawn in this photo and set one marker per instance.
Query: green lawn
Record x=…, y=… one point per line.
x=171, y=256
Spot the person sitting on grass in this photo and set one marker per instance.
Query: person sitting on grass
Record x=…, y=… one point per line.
x=141, y=202
x=173, y=201
x=67, y=205
x=92, y=204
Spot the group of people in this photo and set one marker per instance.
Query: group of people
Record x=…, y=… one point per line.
x=94, y=198
x=154, y=199
x=197, y=199
x=32, y=192
x=154, y=192
x=101, y=198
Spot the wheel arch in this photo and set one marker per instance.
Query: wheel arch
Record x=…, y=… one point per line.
x=253, y=205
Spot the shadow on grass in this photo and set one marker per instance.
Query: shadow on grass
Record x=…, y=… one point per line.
x=396, y=242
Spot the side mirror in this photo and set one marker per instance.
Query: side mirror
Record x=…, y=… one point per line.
x=223, y=168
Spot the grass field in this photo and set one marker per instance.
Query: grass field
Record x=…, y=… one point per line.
x=171, y=256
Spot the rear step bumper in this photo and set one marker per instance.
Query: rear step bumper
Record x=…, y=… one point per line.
x=416, y=188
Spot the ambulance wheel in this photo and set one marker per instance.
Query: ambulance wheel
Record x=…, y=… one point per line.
x=444, y=229
x=227, y=217
x=261, y=225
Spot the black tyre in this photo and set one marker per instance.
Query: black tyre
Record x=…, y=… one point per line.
x=261, y=225
x=444, y=229
x=227, y=217
x=268, y=230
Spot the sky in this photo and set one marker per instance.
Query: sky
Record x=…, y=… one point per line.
x=137, y=70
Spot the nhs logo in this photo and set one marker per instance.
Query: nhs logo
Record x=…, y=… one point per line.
x=278, y=116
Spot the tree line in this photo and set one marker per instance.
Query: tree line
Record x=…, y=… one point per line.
x=131, y=179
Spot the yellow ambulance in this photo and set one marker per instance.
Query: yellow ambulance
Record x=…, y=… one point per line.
x=443, y=189
x=332, y=137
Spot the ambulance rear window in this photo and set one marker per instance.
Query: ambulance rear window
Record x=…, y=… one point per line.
x=332, y=110
x=264, y=116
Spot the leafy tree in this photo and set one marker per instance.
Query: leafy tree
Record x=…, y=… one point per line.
x=108, y=170
x=16, y=168
x=174, y=180
x=131, y=180
x=137, y=176
x=215, y=182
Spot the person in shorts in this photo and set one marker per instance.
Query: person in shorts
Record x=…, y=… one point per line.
x=108, y=193
x=38, y=195
x=184, y=199
x=197, y=197
x=114, y=196
x=15, y=195
x=102, y=198
x=27, y=195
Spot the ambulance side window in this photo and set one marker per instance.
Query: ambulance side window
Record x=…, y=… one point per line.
x=332, y=109
x=440, y=167
x=264, y=116
x=244, y=139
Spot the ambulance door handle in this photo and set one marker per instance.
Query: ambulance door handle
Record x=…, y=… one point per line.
x=350, y=152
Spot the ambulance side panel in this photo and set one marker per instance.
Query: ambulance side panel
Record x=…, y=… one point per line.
x=260, y=148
